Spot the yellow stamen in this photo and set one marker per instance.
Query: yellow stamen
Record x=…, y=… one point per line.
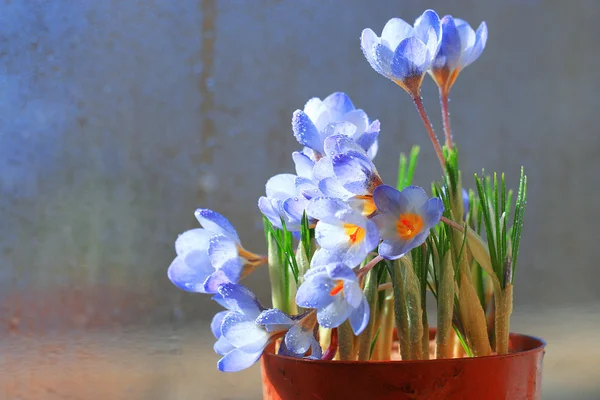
x=409, y=225
x=337, y=288
x=355, y=233
x=368, y=205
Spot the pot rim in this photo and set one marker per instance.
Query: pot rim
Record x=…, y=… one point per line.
x=540, y=346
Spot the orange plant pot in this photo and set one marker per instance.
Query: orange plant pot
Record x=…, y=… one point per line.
x=514, y=376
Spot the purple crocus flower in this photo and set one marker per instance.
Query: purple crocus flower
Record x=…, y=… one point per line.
x=404, y=53
x=344, y=227
x=334, y=291
x=346, y=171
x=334, y=115
x=460, y=47
x=245, y=330
x=279, y=189
x=299, y=340
x=208, y=257
x=405, y=218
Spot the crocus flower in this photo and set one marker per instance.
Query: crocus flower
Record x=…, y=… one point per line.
x=334, y=291
x=299, y=340
x=279, y=189
x=461, y=46
x=405, y=218
x=334, y=115
x=343, y=227
x=245, y=330
x=208, y=257
x=346, y=171
x=404, y=53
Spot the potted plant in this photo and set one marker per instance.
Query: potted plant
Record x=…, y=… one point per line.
x=351, y=257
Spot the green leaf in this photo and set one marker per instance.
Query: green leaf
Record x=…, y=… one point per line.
x=373, y=343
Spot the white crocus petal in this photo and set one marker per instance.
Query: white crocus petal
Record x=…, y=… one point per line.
x=281, y=186
x=237, y=360
x=394, y=31
x=214, y=222
x=243, y=333
x=331, y=236
x=194, y=239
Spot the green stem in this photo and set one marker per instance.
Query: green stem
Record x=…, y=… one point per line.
x=366, y=337
x=346, y=349
x=278, y=275
x=412, y=289
x=503, y=312
x=400, y=312
x=445, y=304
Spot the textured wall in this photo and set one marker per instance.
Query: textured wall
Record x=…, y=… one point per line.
x=119, y=118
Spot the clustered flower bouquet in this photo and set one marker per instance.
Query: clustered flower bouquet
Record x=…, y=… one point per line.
x=351, y=258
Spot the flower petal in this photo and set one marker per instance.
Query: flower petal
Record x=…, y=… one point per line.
x=394, y=249
x=222, y=249
x=216, y=279
x=222, y=346
x=189, y=279
x=410, y=59
x=281, y=186
x=368, y=41
x=450, y=48
x=271, y=211
x=425, y=23
x=297, y=340
x=355, y=172
x=414, y=198
x=214, y=222
x=354, y=294
x=387, y=200
x=331, y=187
x=314, y=292
x=192, y=240
x=396, y=30
x=241, y=332
x=327, y=209
x=317, y=112
x=237, y=360
x=305, y=131
x=341, y=271
x=433, y=210
x=304, y=165
x=359, y=317
x=383, y=57
x=338, y=104
x=480, y=41
x=330, y=236
x=217, y=321
x=334, y=314
x=239, y=299
x=274, y=320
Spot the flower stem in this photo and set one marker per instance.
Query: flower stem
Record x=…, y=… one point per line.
x=366, y=337
x=278, y=275
x=446, y=118
x=346, y=342
x=333, y=346
x=434, y=140
x=361, y=272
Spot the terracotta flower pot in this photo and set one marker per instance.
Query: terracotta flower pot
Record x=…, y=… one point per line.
x=514, y=376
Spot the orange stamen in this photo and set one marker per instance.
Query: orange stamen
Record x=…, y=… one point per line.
x=409, y=225
x=337, y=288
x=368, y=205
x=355, y=233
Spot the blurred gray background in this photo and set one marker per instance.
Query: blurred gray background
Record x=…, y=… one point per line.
x=119, y=118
